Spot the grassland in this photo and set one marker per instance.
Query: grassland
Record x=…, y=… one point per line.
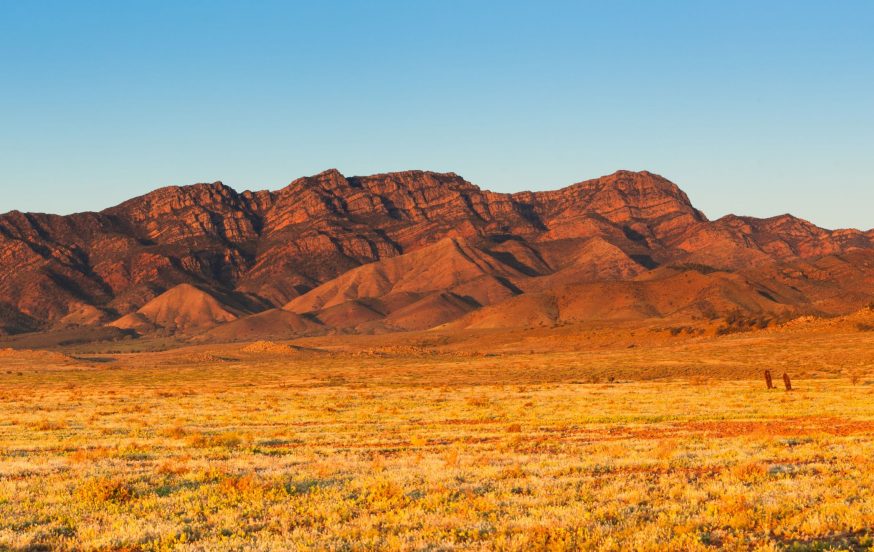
x=670, y=446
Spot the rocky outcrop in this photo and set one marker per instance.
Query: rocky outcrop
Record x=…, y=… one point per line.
x=267, y=249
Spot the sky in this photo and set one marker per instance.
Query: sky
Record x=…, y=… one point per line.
x=754, y=108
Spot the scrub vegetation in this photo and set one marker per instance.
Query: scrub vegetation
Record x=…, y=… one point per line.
x=248, y=450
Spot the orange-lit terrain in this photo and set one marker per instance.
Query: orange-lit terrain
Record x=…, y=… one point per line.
x=413, y=251
x=407, y=362
x=632, y=435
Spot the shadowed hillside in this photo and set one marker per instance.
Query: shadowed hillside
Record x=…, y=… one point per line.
x=411, y=251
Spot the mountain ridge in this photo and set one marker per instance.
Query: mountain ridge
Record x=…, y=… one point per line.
x=264, y=192
x=265, y=249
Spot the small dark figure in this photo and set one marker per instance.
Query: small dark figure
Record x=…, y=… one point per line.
x=768, y=379
x=786, y=382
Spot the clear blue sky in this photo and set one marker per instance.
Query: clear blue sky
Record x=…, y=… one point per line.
x=752, y=107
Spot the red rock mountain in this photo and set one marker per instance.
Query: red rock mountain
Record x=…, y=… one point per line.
x=413, y=250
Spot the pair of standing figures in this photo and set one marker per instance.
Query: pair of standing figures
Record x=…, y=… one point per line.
x=786, y=382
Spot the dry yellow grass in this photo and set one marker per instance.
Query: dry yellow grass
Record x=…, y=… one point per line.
x=517, y=452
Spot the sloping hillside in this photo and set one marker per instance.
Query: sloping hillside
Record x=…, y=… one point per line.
x=405, y=250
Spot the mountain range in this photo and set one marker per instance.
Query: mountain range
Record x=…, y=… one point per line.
x=415, y=250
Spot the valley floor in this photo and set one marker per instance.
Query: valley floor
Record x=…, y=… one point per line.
x=567, y=450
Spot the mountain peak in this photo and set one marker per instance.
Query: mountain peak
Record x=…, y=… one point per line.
x=272, y=247
x=330, y=173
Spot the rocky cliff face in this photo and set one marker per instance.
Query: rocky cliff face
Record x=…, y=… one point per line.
x=266, y=248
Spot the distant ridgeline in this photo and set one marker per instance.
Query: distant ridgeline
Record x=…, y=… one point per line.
x=411, y=251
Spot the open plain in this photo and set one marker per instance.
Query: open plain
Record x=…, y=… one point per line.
x=629, y=438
